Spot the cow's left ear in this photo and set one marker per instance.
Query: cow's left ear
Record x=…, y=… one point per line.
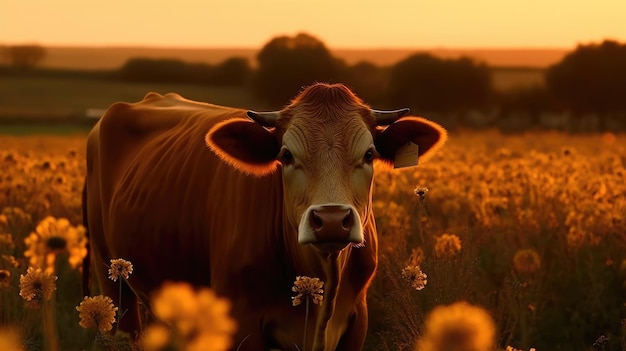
x=245, y=145
x=427, y=135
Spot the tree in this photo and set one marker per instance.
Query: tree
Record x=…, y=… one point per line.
x=591, y=79
x=24, y=56
x=429, y=83
x=369, y=81
x=232, y=71
x=286, y=64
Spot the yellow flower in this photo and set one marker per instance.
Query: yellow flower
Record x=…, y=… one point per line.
x=5, y=278
x=37, y=286
x=155, y=338
x=526, y=261
x=97, y=312
x=120, y=268
x=416, y=258
x=16, y=218
x=307, y=287
x=447, y=246
x=52, y=237
x=6, y=242
x=200, y=316
x=10, y=340
x=10, y=260
x=458, y=327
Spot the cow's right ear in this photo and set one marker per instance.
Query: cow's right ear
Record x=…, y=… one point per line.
x=245, y=145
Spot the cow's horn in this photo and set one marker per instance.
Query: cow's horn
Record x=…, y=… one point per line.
x=266, y=119
x=384, y=118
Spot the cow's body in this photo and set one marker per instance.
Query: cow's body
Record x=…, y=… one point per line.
x=158, y=196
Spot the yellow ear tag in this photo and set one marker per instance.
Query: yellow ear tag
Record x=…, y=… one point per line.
x=406, y=155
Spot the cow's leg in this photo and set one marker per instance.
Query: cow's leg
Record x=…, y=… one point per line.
x=354, y=337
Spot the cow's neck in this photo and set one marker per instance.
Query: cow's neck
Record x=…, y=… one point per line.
x=332, y=267
x=327, y=268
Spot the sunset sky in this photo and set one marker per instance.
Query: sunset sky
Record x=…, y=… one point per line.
x=338, y=23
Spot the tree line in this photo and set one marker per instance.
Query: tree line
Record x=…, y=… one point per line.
x=589, y=80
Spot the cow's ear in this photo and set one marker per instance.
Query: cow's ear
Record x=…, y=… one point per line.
x=427, y=135
x=245, y=145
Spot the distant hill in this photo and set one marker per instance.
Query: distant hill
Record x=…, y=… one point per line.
x=94, y=58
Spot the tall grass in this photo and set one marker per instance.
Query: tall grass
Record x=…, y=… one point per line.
x=540, y=219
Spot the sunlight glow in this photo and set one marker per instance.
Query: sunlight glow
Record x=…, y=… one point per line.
x=345, y=24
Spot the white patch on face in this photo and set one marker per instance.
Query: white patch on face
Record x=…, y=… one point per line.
x=307, y=234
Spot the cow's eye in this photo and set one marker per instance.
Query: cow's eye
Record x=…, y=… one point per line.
x=369, y=156
x=286, y=157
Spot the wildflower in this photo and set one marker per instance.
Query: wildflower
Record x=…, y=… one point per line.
x=97, y=312
x=10, y=340
x=120, y=268
x=10, y=259
x=7, y=242
x=15, y=218
x=307, y=287
x=458, y=327
x=601, y=343
x=421, y=191
x=417, y=257
x=5, y=278
x=511, y=348
x=201, y=317
x=447, y=246
x=155, y=337
x=526, y=261
x=52, y=237
x=415, y=276
x=36, y=286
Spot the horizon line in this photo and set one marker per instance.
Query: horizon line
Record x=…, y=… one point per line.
x=241, y=47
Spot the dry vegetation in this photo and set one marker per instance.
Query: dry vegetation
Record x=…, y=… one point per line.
x=527, y=228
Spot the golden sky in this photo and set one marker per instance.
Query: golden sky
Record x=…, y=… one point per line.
x=338, y=23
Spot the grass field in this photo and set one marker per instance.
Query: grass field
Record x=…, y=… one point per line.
x=529, y=228
x=510, y=78
x=48, y=98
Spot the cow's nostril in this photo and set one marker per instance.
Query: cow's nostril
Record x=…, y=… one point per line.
x=348, y=221
x=316, y=220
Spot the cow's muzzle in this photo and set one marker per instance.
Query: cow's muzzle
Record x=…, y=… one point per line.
x=331, y=226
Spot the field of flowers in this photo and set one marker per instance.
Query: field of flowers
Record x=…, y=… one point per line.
x=499, y=242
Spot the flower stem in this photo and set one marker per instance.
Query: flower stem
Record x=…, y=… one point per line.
x=306, y=320
x=50, y=333
x=119, y=305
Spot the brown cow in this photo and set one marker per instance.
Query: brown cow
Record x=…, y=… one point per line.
x=273, y=196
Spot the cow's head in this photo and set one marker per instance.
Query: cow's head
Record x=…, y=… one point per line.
x=326, y=142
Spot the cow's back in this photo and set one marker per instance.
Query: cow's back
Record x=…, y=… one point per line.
x=161, y=199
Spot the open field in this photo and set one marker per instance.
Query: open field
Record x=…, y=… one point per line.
x=31, y=98
x=94, y=58
x=539, y=218
x=510, y=78
x=59, y=99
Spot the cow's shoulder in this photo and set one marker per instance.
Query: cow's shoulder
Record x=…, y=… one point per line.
x=156, y=113
x=127, y=128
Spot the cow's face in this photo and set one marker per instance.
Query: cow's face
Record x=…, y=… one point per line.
x=326, y=142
